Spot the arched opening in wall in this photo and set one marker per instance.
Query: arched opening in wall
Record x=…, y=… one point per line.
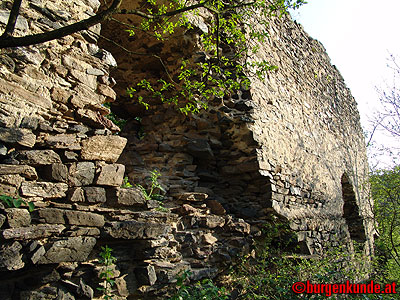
x=351, y=211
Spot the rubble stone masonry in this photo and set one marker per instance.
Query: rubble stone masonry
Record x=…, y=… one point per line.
x=289, y=147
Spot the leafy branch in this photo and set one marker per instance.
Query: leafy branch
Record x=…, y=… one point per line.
x=228, y=45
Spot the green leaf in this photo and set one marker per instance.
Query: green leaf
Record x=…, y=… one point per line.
x=17, y=202
x=31, y=206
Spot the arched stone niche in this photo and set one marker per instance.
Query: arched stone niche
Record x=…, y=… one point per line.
x=351, y=211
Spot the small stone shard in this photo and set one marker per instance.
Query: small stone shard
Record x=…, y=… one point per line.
x=208, y=238
x=192, y=197
x=76, y=195
x=146, y=275
x=84, y=218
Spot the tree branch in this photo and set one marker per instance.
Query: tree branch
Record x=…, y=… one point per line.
x=167, y=14
x=8, y=41
x=12, y=19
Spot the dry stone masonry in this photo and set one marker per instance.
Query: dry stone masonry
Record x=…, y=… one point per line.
x=289, y=148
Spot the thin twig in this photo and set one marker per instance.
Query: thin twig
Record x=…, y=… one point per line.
x=12, y=19
x=137, y=53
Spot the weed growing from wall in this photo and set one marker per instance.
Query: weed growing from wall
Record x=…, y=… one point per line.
x=126, y=184
x=107, y=260
x=202, y=290
x=16, y=202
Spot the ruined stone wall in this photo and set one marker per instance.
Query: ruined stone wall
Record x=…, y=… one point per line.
x=58, y=151
x=291, y=144
x=307, y=126
x=287, y=149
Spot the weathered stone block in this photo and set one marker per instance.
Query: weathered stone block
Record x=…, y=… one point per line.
x=239, y=226
x=87, y=79
x=137, y=230
x=128, y=196
x=24, y=170
x=60, y=94
x=11, y=257
x=39, y=157
x=20, y=24
x=126, y=284
x=13, y=180
x=56, y=172
x=18, y=217
x=187, y=209
x=8, y=190
x=52, y=215
x=81, y=173
x=3, y=150
x=212, y=221
x=63, y=216
x=76, y=195
x=70, y=156
x=29, y=122
x=95, y=194
x=200, y=148
x=84, y=218
x=107, y=148
x=68, y=250
x=83, y=231
x=23, y=137
x=60, y=141
x=32, y=232
x=107, y=91
x=44, y=189
x=111, y=175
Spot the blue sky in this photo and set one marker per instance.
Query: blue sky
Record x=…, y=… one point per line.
x=358, y=36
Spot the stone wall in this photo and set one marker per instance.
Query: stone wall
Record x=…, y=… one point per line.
x=307, y=126
x=291, y=144
x=288, y=149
